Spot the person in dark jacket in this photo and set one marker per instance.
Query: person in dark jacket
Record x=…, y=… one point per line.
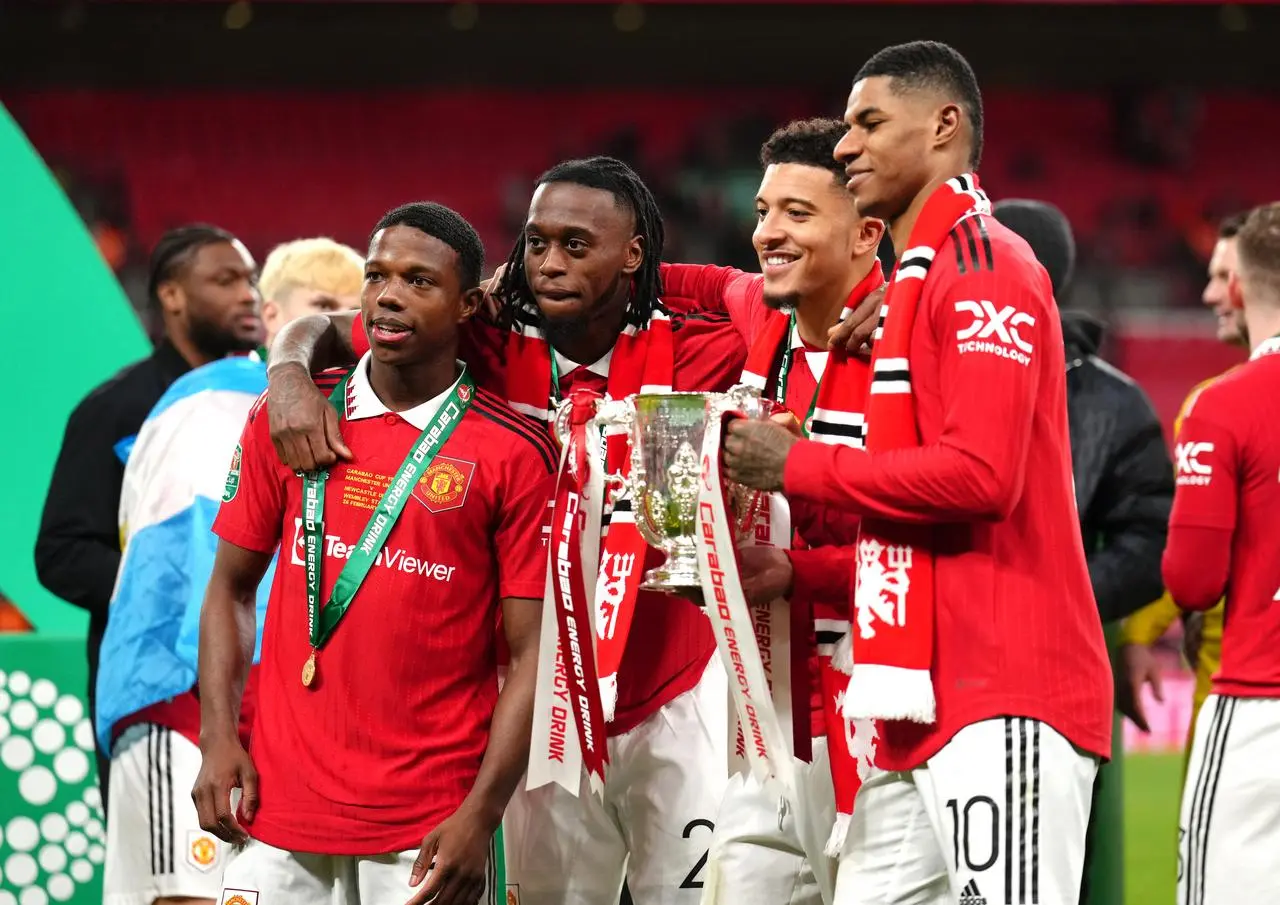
x=1124, y=491
x=202, y=283
x=1120, y=461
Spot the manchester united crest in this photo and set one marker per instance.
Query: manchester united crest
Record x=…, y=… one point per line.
x=444, y=485
x=202, y=850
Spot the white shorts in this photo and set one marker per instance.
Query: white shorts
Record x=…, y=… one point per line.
x=763, y=856
x=155, y=847
x=664, y=784
x=261, y=875
x=1229, y=829
x=997, y=817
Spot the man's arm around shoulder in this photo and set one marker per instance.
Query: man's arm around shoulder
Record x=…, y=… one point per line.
x=304, y=427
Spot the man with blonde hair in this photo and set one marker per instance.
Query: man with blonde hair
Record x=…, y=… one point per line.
x=148, y=713
x=308, y=276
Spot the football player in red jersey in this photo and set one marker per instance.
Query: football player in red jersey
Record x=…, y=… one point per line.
x=976, y=639
x=817, y=259
x=383, y=754
x=584, y=309
x=1223, y=538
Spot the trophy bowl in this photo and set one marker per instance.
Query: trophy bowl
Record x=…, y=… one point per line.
x=666, y=433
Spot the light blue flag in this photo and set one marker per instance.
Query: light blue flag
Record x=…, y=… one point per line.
x=174, y=480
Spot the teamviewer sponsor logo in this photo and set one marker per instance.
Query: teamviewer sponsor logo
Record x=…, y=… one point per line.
x=995, y=332
x=398, y=559
x=1191, y=470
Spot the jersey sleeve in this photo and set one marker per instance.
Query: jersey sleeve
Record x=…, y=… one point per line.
x=524, y=523
x=990, y=327
x=709, y=353
x=822, y=574
x=1197, y=556
x=253, y=503
x=693, y=288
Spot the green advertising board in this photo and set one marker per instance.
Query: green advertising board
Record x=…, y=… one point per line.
x=52, y=833
x=70, y=326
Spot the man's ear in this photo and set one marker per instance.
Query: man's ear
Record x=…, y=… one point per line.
x=470, y=304
x=172, y=299
x=948, y=125
x=869, y=235
x=635, y=255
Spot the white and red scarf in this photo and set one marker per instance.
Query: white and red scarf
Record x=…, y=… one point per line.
x=602, y=578
x=838, y=417
x=893, y=603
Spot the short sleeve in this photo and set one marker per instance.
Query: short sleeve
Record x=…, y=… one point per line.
x=524, y=523
x=253, y=501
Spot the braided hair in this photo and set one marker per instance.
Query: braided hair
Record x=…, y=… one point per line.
x=175, y=250
x=628, y=189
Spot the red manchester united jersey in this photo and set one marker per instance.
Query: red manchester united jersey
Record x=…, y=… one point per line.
x=1016, y=628
x=388, y=739
x=1222, y=532
x=670, y=645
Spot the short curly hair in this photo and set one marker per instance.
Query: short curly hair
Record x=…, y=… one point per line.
x=935, y=66
x=811, y=142
x=447, y=225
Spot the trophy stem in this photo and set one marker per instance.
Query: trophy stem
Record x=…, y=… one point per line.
x=679, y=574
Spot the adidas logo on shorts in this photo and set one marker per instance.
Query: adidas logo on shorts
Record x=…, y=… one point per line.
x=970, y=895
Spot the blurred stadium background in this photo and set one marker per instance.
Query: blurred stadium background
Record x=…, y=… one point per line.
x=1145, y=122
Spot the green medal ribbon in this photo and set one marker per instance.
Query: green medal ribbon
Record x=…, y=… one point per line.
x=321, y=622
x=780, y=391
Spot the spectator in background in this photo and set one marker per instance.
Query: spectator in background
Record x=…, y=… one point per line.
x=202, y=282
x=148, y=712
x=1120, y=463
x=1203, y=638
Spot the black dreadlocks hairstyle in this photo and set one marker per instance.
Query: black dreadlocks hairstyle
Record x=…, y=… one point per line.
x=447, y=225
x=628, y=189
x=810, y=142
x=934, y=65
x=175, y=250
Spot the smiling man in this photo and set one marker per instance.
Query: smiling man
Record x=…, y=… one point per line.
x=818, y=259
x=383, y=754
x=976, y=638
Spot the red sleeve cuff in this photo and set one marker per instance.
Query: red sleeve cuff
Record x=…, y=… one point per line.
x=529, y=590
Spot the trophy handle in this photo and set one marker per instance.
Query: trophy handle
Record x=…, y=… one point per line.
x=747, y=503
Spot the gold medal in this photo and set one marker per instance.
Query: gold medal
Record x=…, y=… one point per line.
x=309, y=670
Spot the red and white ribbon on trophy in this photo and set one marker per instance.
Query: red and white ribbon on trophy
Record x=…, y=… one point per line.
x=765, y=735
x=569, y=731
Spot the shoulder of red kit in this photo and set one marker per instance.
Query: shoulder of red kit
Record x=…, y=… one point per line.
x=524, y=430
x=325, y=381
x=982, y=246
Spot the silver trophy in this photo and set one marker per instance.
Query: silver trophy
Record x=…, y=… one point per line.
x=666, y=432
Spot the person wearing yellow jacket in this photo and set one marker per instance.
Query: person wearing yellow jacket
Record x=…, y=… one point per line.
x=1202, y=644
